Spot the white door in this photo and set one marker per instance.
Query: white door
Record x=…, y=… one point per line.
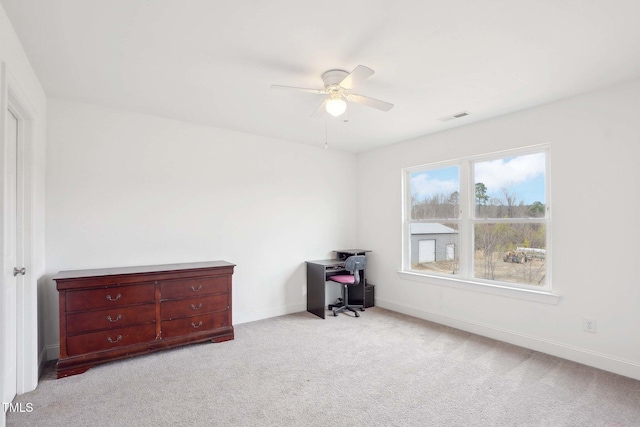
x=9, y=280
x=426, y=251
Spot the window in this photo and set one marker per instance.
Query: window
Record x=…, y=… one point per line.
x=483, y=219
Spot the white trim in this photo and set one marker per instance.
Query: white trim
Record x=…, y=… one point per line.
x=52, y=352
x=466, y=221
x=485, y=288
x=576, y=354
x=14, y=98
x=42, y=359
x=251, y=316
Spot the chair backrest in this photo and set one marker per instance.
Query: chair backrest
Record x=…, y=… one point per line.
x=354, y=264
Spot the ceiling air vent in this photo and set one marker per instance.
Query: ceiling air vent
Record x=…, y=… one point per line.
x=454, y=116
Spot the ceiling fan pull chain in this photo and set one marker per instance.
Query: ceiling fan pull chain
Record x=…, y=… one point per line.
x=326, y=144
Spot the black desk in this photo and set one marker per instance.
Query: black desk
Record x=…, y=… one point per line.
x=346, y=253
x=318, y=272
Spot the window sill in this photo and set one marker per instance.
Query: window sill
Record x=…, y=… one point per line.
x=525, y=294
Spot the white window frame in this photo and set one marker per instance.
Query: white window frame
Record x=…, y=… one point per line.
x=466, y=220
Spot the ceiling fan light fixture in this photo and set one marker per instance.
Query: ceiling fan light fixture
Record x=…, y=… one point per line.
x=336, y=106
x=337, y=89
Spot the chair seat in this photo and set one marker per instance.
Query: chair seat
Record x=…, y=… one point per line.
x=343, y=278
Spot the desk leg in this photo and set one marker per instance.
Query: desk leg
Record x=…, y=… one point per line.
x=315, y=290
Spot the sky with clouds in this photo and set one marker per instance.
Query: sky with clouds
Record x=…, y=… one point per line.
x=523, y=176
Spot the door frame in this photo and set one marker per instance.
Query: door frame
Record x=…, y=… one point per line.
x=13, y=98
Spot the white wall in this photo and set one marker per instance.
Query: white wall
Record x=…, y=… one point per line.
x=595, y=148
x=127, y=189
x=24, y=83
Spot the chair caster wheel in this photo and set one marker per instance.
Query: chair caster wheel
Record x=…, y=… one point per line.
x=357, y=314
x=335, y=314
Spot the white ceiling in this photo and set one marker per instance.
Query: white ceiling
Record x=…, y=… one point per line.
x=213, y=61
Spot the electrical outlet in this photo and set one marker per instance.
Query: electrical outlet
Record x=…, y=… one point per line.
x=589, y=325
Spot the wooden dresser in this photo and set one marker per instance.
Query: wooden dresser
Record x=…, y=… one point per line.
x=109, y=314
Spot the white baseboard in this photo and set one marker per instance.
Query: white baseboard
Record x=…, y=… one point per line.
x=239, y=318
x=575, y=354
x=42, y=359
x=53, y=352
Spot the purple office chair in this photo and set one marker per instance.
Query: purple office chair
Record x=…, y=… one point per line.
x=354, y=265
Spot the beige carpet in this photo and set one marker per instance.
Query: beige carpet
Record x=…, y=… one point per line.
x=382, y=369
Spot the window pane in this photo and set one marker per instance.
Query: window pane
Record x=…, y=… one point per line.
x=434, y=247
x=435, y=193
x=509, y=252
x=511, y=187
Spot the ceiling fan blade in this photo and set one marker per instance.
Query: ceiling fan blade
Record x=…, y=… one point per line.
x=369, y=102
x=359, y=74
x=321, y=110
x=300, y=89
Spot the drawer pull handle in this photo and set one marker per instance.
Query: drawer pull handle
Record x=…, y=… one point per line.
x=193, y=307
x=118, y=317
x=196, y=326
x=194, y=289
x=116, y=340
x=109, y=298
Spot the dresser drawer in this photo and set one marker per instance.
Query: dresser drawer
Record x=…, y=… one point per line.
x=110, y=297
x=110, y=318
x=189, y=325
x=193, y=306
x=194, y=287
x=107, y=340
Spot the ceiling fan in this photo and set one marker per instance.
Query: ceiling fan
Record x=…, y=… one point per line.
x=337, y=90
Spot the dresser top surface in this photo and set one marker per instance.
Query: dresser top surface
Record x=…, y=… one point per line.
x=99, y=272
